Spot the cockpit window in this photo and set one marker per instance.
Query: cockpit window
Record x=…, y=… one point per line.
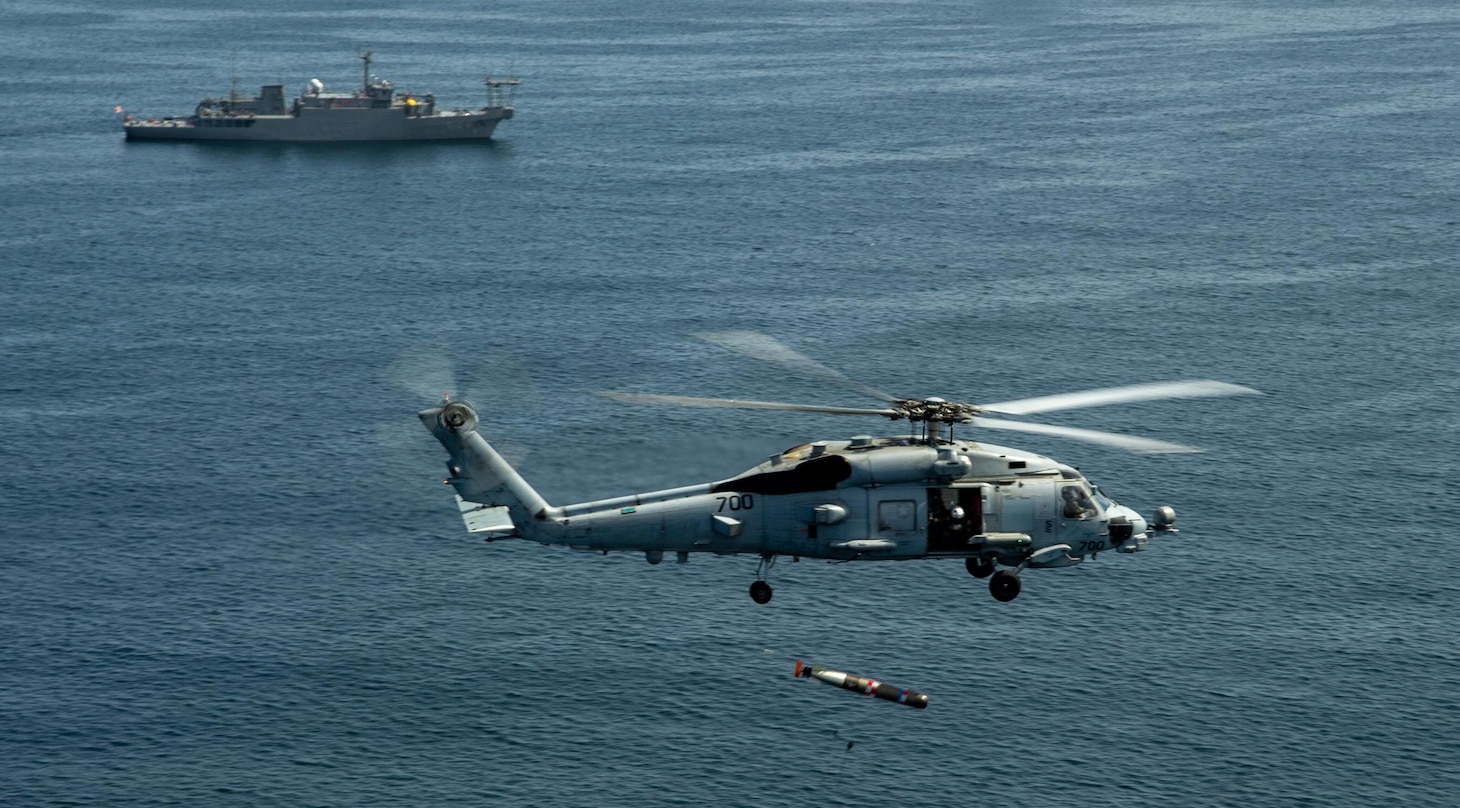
x=1078, y=503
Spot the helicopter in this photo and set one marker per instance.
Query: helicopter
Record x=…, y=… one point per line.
x=927, y=494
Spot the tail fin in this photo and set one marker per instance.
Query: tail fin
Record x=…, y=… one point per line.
x=481, y=477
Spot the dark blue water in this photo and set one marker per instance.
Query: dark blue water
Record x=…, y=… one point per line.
x=229, y=574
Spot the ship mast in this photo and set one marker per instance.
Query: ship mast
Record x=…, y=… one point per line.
x=365, y=85
x=495, y=91
x=233, y=81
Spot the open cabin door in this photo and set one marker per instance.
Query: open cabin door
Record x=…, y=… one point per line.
x=955, y=515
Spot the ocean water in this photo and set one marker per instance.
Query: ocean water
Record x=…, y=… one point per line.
x=229, y=574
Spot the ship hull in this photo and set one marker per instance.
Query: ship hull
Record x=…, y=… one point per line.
x=325, y=126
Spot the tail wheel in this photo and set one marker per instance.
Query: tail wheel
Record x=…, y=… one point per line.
x=760, y=592
x=1004, y=586
x=978, y=566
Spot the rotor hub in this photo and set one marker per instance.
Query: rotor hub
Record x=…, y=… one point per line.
x=935, y=409
x=458, y=416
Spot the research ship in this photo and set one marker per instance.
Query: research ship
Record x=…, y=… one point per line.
x=374, y=112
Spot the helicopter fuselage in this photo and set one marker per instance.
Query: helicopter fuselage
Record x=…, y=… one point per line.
x=891, y=498
x=895, y=502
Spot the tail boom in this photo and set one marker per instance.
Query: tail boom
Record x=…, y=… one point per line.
x=478, y=473
x=685, y=519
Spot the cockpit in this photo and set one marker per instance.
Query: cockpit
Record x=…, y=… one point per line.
x=1082, y=500
x=1079, y=504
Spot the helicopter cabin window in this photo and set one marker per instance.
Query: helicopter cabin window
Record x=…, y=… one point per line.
x=1078, y=504
x=897, y=515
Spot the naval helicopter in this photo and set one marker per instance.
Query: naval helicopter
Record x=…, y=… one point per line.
x=927, y=494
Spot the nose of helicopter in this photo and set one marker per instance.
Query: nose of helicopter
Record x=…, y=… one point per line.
x=1137, y=522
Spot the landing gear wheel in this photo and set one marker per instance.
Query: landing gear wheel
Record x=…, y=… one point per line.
x=1004, y=586
x=760, y=592
x=978, y=566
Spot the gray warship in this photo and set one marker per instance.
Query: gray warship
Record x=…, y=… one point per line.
x=375, y=112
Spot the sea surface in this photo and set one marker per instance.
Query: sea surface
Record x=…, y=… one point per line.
x=229, y=572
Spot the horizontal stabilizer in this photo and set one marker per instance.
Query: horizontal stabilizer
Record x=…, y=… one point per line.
x=481, y=518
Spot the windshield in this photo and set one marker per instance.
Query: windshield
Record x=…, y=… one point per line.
x=1079, y=504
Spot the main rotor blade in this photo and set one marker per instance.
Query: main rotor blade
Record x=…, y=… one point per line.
x=425, y=373
x=1200, y=388
x=1138, y=445
x=760, y=346
x=738, y=404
